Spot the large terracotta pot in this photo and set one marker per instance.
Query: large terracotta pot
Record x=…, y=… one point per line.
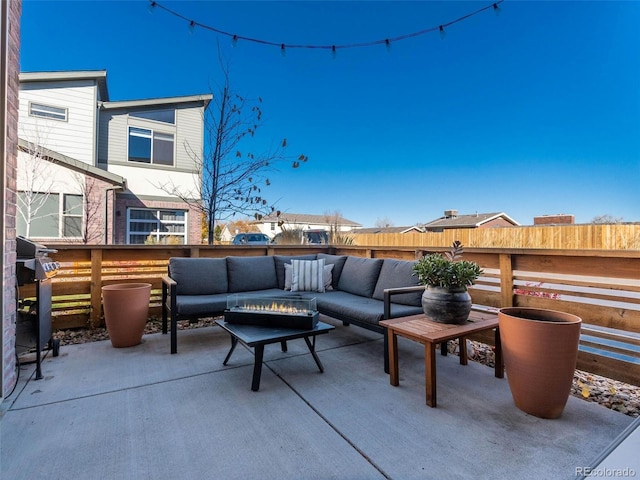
x=446, y=306
x=540, y=348
x=126, y=309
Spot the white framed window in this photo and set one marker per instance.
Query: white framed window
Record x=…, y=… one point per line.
x=47, y=111
x=52, y=215
x=156, y=226
x=148, y=146
x=167, y=115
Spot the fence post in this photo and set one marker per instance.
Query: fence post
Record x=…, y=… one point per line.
x=506, y=280
x=96, y=287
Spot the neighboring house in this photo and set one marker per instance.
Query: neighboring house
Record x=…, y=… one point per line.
x=411, y=229
x=270, y=224
x=451, y=219
x=107, y=162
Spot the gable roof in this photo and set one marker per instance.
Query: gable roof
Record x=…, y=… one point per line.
x=99, y=76
x=307, y=218
x=73, y=164
x=467, y=221
x=413, y=228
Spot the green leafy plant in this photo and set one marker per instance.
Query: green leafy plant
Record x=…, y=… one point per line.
x=447, y=271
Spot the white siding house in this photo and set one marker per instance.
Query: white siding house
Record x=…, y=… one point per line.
x=131, y=149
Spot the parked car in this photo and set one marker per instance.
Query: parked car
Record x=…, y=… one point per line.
x=251, y=239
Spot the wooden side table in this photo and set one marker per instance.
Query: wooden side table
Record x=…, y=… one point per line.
x=420, y=329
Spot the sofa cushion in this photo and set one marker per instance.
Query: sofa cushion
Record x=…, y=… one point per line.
x=199, y=276
x=251, y=273
x=338, y=263
x=327, y=277
x=281, y=260
x=307, y=276
x=360, y=275
x=394, y=274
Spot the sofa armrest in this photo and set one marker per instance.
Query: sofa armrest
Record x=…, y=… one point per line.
x=388, y=292
x=168, y=299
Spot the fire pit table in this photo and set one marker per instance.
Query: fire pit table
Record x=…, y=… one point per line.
x=259, y=321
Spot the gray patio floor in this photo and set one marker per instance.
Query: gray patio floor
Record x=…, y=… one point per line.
x=141, y=413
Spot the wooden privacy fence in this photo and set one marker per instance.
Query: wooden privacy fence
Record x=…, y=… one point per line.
x=600, y=286
x=607, y=237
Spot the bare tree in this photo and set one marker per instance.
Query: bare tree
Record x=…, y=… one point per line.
x=231, y=176
x=606, y=219
x=384, y=222
x=35, y=180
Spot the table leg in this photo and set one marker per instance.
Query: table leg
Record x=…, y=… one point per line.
x=257, y=367
x=312, y=349
x=283, y=345
x=430, y=373
x=234, y=342
x=394, y=374
x=499, y=361
x=462, y=348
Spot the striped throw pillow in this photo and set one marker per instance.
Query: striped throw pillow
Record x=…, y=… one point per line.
x=307, y=275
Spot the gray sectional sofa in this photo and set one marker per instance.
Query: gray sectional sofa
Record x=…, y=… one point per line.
x=359, y=291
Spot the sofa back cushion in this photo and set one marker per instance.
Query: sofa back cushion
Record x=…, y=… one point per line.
x=282, y=259
x=199, y=276
x=251, y=273
x=395, y=274
x=338, y=264
x=360, y=275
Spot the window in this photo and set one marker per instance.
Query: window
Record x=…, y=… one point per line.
x=53, y=215
x=164, y=116
x=72, y=216
x=47, y=111
x=148, y=226
x=147, y=146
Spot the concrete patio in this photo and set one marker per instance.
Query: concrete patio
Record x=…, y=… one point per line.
x=141, y=413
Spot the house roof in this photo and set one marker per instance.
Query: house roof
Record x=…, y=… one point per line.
x=413, y=228
x=100, y=76
x=151, y=102
x=73, y=164
x=307, y=218
x=467, y=221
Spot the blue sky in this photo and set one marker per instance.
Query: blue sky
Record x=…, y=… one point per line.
x=533, y=111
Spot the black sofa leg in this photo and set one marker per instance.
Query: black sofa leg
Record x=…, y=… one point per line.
x=174, y=334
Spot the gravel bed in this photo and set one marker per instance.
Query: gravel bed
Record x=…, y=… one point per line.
x=612, y=394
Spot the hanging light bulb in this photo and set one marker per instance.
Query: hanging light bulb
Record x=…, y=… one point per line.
x=387, y=44
x=283, y=51
x=234, y=40
x=192, y=26
x=442, y=32
x=496, y=9
x=151, y=6
x=333, y=52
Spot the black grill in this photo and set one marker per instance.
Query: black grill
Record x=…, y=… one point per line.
x=33, y=326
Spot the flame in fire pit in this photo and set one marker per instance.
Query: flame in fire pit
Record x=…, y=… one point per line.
x=275, y=307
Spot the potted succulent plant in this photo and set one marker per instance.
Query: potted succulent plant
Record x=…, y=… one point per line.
x=446, y=277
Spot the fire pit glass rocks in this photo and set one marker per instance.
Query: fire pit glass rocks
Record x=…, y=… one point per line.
x=293, y=312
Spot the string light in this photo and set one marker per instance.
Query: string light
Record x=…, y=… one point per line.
x=283, y=46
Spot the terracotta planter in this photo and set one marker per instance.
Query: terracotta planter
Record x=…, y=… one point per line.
x=126, y=309
x=446, y=306
x=540, y=348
